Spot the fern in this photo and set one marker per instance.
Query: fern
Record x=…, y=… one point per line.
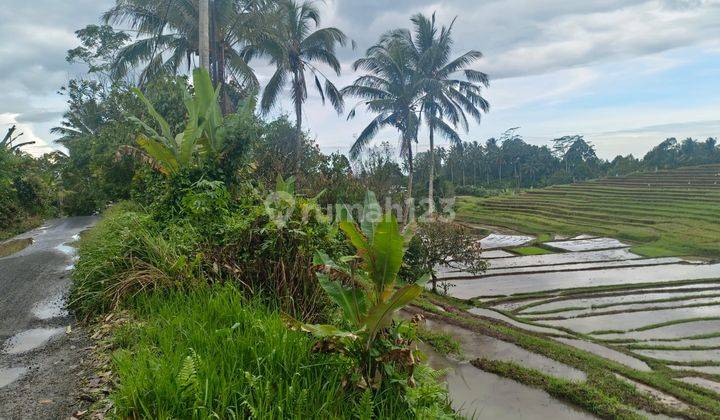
x=364, y=407
x=187, y=378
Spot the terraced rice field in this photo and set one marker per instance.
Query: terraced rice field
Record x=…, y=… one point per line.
x=664, y=213
x=629, y=272
x=654, y=316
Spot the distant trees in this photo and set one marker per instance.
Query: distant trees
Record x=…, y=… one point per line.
x=510, y=162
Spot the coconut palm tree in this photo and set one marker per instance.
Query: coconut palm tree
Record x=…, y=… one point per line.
x=451, y=89
x=295, y=46
x=391, y=91
x=167, y=38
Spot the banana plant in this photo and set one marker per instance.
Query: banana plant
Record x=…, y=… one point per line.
x=364, y=285
x=7, y=142
x=201, y=137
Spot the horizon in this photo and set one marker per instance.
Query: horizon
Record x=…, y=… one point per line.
x=625, y=74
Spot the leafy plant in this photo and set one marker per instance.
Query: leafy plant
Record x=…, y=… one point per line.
x=202, y=136
x=7, y=141
x=364, y=287
x=439, y=243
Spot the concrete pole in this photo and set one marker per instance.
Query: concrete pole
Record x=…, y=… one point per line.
x=204, y=34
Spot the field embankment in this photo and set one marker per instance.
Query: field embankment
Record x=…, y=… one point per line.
x=664, y=213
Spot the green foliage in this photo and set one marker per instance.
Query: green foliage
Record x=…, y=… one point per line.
x=439, y=243
x=214, y=353
x=201, y=137
x=27, y=187
x=363, y=286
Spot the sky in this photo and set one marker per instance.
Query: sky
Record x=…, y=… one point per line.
x=626, y=74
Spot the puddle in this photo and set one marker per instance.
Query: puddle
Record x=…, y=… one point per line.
x=666, y=399
x=704, y=383
x=586, y=244
x=527, y=283
x=710, y=370
x=675, y=331
x=634, y=320
x=496, y=253
x=479, y=394
x=30, y=340
x=488, y=313
x=583, y=266
x=496, y=240
x=620, y=300
x=477, y=346
x=607, y=353
x=10, y=375
x=50, y=308
x=682, y=355
x=635, y=306
x=13, y=246
x=66, y=249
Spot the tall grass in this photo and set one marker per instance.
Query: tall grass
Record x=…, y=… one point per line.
x=211, y=353
x=126, y=253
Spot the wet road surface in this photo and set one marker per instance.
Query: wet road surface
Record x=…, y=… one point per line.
x=40, y=368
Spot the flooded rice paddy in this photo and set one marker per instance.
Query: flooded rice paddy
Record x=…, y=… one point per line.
x=478, y=394
x=583, y=244
x=540, y=282
x=496, y=240
x=596, y=295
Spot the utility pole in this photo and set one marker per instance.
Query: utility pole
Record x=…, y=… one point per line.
x=204, y=34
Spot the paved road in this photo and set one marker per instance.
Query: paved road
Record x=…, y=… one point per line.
x=40, y=366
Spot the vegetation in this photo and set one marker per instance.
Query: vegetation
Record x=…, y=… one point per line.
x=26, y=186
x=656, y=211
x=246, y=298
x=213, y=353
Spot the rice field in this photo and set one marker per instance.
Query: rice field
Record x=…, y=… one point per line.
x=626, y=269
x=663, y=213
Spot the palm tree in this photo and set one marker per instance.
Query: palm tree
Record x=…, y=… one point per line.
x=446, y=96
x=392, y=92
x=168, y=38
x=294, y=45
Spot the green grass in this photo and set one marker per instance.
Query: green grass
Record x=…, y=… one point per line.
x=530, y=250
x=443, y=343
x=211, y=353
x=667, y=218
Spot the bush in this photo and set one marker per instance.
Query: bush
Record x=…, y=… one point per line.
x=211, y=353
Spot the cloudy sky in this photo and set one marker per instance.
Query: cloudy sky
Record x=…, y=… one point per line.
x=624, y=73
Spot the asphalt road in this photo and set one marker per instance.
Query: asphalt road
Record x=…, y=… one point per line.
x=40, y=362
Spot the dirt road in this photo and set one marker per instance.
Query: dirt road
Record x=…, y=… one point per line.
x=40, y=356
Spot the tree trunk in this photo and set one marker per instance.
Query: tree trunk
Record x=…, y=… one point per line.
x=409, y=198
x=298, y=124
x=431, y=186
x=204, y=34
